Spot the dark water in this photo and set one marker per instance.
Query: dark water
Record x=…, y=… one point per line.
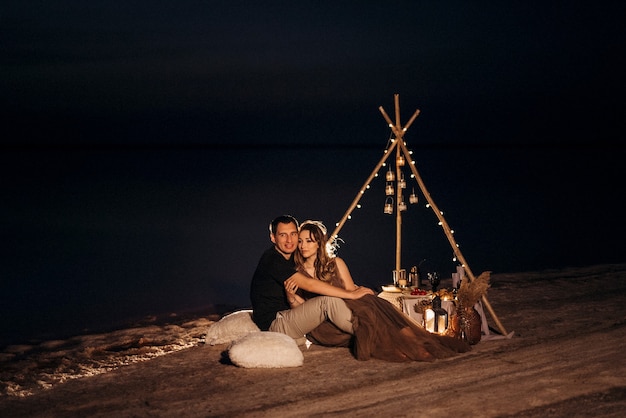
x=97, y=237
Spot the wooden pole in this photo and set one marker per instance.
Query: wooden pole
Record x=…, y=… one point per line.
x=398, y=131
x=396, y=99
x=398, y=212
x=448, y=232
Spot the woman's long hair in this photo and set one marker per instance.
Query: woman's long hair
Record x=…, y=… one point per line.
x=325, y=266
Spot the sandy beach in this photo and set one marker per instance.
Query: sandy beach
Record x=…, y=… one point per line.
x=565, y=359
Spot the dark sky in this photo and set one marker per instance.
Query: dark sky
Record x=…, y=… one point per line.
x=310, y=72
x=146, y=145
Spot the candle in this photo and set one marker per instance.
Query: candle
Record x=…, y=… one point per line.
x=399, y=277
x=455, y=280
x=429, y=320
x=442, y=323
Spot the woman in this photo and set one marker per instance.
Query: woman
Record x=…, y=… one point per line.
x=380, y=330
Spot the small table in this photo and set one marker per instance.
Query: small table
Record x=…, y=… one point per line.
x=407, y=303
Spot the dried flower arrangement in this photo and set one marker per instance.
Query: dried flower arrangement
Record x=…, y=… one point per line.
x=471, y=292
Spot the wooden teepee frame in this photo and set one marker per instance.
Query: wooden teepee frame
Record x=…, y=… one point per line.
x=400, y=147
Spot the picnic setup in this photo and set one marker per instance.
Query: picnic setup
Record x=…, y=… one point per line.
x=410, y=319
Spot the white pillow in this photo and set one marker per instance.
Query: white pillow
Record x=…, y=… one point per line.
x=265, y=350
x=231, y=327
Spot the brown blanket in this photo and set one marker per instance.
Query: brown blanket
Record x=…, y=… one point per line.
x=383, y=332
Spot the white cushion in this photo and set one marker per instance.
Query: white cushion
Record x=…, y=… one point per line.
x=231, y=327
x=265, y=350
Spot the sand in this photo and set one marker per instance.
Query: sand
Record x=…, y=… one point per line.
x=565, y=359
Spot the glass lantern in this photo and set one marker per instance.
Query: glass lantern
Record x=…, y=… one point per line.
x=390, y=175
x=388, y=206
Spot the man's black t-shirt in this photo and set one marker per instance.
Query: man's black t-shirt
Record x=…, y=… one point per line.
x=267, y=292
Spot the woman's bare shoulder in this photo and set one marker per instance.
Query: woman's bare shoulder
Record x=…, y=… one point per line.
x=339, y=261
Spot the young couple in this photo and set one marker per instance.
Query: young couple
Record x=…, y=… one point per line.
x=300, y=288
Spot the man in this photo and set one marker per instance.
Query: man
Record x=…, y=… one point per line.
x=270, y=305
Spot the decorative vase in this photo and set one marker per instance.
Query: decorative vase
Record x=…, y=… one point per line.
x=471, y=325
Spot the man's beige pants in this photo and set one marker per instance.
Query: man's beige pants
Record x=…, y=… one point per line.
x=302, y=319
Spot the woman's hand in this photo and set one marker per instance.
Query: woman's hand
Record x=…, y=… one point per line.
x=291, y=288
x=359, y=292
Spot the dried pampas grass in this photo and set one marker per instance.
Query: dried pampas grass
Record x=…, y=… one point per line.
x=471, y=292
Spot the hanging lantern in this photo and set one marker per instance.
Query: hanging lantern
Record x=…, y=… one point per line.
x=388, y=206
x=390, y=175
x=402, y=182
x=413, y=198
x=401, y=204
x=389, y=189
x=400, y=161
